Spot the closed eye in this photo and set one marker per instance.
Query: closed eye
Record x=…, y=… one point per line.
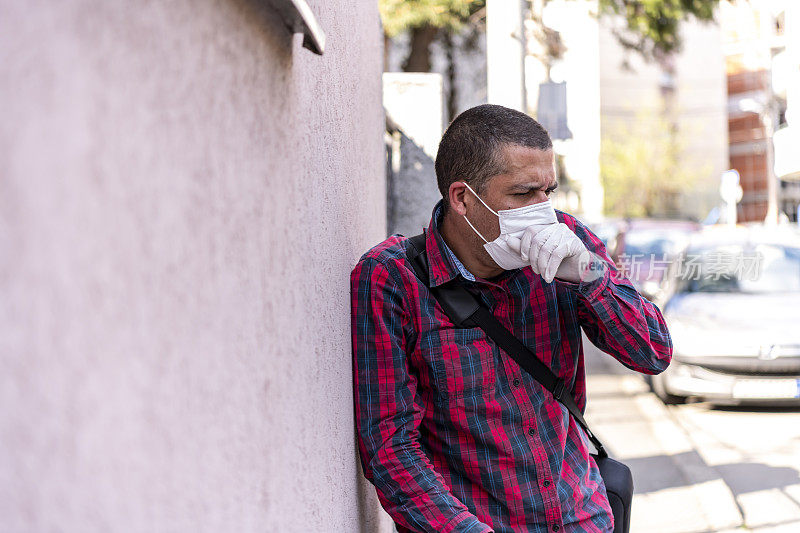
x=531, y=191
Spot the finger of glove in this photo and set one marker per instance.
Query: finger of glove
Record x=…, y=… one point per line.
x=546, y=254
x=556, y=258
x=515, y=244
x=527, y=241
x=560, y=249
x=532, y=258
x=576, y=245
x=538, y=239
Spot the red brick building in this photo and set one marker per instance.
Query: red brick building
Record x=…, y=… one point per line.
x=761, y=64
x=749, y=139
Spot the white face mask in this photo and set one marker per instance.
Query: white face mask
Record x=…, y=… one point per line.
x=513, y=223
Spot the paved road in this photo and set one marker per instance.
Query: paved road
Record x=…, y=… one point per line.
x=696, y=468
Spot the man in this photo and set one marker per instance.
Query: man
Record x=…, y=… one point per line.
x=454, y=435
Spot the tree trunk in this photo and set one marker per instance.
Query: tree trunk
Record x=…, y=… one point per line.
x=386, y=44
x=419, y=57
x=452, y=90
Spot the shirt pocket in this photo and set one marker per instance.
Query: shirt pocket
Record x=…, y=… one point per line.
x=464, y=365
x=538, y=327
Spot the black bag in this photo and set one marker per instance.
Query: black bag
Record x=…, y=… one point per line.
x=465, y=310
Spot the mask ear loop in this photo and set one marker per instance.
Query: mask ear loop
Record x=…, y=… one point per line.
x=473, y=229
x=484, y=204
x=481, y=199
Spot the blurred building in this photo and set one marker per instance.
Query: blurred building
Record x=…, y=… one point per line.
x=685, y=91
x=597, y=87
x=761, y=60
x=609, y=89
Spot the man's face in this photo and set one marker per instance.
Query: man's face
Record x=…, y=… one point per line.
x=529, y=178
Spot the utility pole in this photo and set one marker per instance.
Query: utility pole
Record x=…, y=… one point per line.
x=770, y=122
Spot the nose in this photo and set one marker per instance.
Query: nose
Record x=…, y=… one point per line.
x=540, y=197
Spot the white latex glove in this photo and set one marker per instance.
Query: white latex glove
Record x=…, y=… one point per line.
x=554, y=251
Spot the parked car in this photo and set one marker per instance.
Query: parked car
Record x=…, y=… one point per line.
x=644, y=248
x=732, y=305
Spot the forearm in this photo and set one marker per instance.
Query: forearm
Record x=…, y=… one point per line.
x=415, y=495
x=622, y=323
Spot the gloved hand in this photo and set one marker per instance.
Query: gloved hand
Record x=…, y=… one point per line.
x=555, y=251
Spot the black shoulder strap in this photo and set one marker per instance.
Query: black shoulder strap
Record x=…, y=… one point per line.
x=465, y=310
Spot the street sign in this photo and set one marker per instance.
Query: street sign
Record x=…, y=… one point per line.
x=551, y=109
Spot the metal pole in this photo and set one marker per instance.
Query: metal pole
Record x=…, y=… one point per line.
x=731, y=214
x=770, y=121
x=772, y=180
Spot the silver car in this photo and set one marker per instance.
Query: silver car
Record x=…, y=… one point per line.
x=732, y=304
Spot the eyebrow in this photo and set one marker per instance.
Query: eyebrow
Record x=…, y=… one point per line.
x=529, y=188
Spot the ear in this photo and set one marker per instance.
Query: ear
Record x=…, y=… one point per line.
x=456, y=195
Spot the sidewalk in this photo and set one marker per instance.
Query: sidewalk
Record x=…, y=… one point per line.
x=675, y=491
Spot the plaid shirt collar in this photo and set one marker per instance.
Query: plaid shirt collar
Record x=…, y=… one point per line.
x=443, y=265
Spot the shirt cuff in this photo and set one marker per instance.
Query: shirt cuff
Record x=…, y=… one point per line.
x=466, y=522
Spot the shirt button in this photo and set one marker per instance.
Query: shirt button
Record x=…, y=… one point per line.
x=546, y=483
x=532, y=432
x=555, y=527
x=516, y=382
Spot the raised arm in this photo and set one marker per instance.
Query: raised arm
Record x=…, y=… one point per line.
x=615, y=317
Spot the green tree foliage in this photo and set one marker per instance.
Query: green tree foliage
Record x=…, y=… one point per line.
x=651, y=26
x=643, y=168
x=401, y=15
x=425, y=20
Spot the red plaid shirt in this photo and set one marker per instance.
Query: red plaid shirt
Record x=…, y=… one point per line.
x=454, y=435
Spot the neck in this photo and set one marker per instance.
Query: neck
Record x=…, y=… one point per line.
x=453, y=235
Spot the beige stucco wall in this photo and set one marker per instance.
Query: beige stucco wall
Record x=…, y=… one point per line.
x=183, y=192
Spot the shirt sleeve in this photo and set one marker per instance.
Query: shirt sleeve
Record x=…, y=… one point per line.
x=388, y=410
x=615, y=317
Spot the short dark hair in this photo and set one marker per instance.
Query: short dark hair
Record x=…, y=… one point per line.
x=470, y=149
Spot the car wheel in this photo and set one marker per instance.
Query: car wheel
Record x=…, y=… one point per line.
x=661, y=389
